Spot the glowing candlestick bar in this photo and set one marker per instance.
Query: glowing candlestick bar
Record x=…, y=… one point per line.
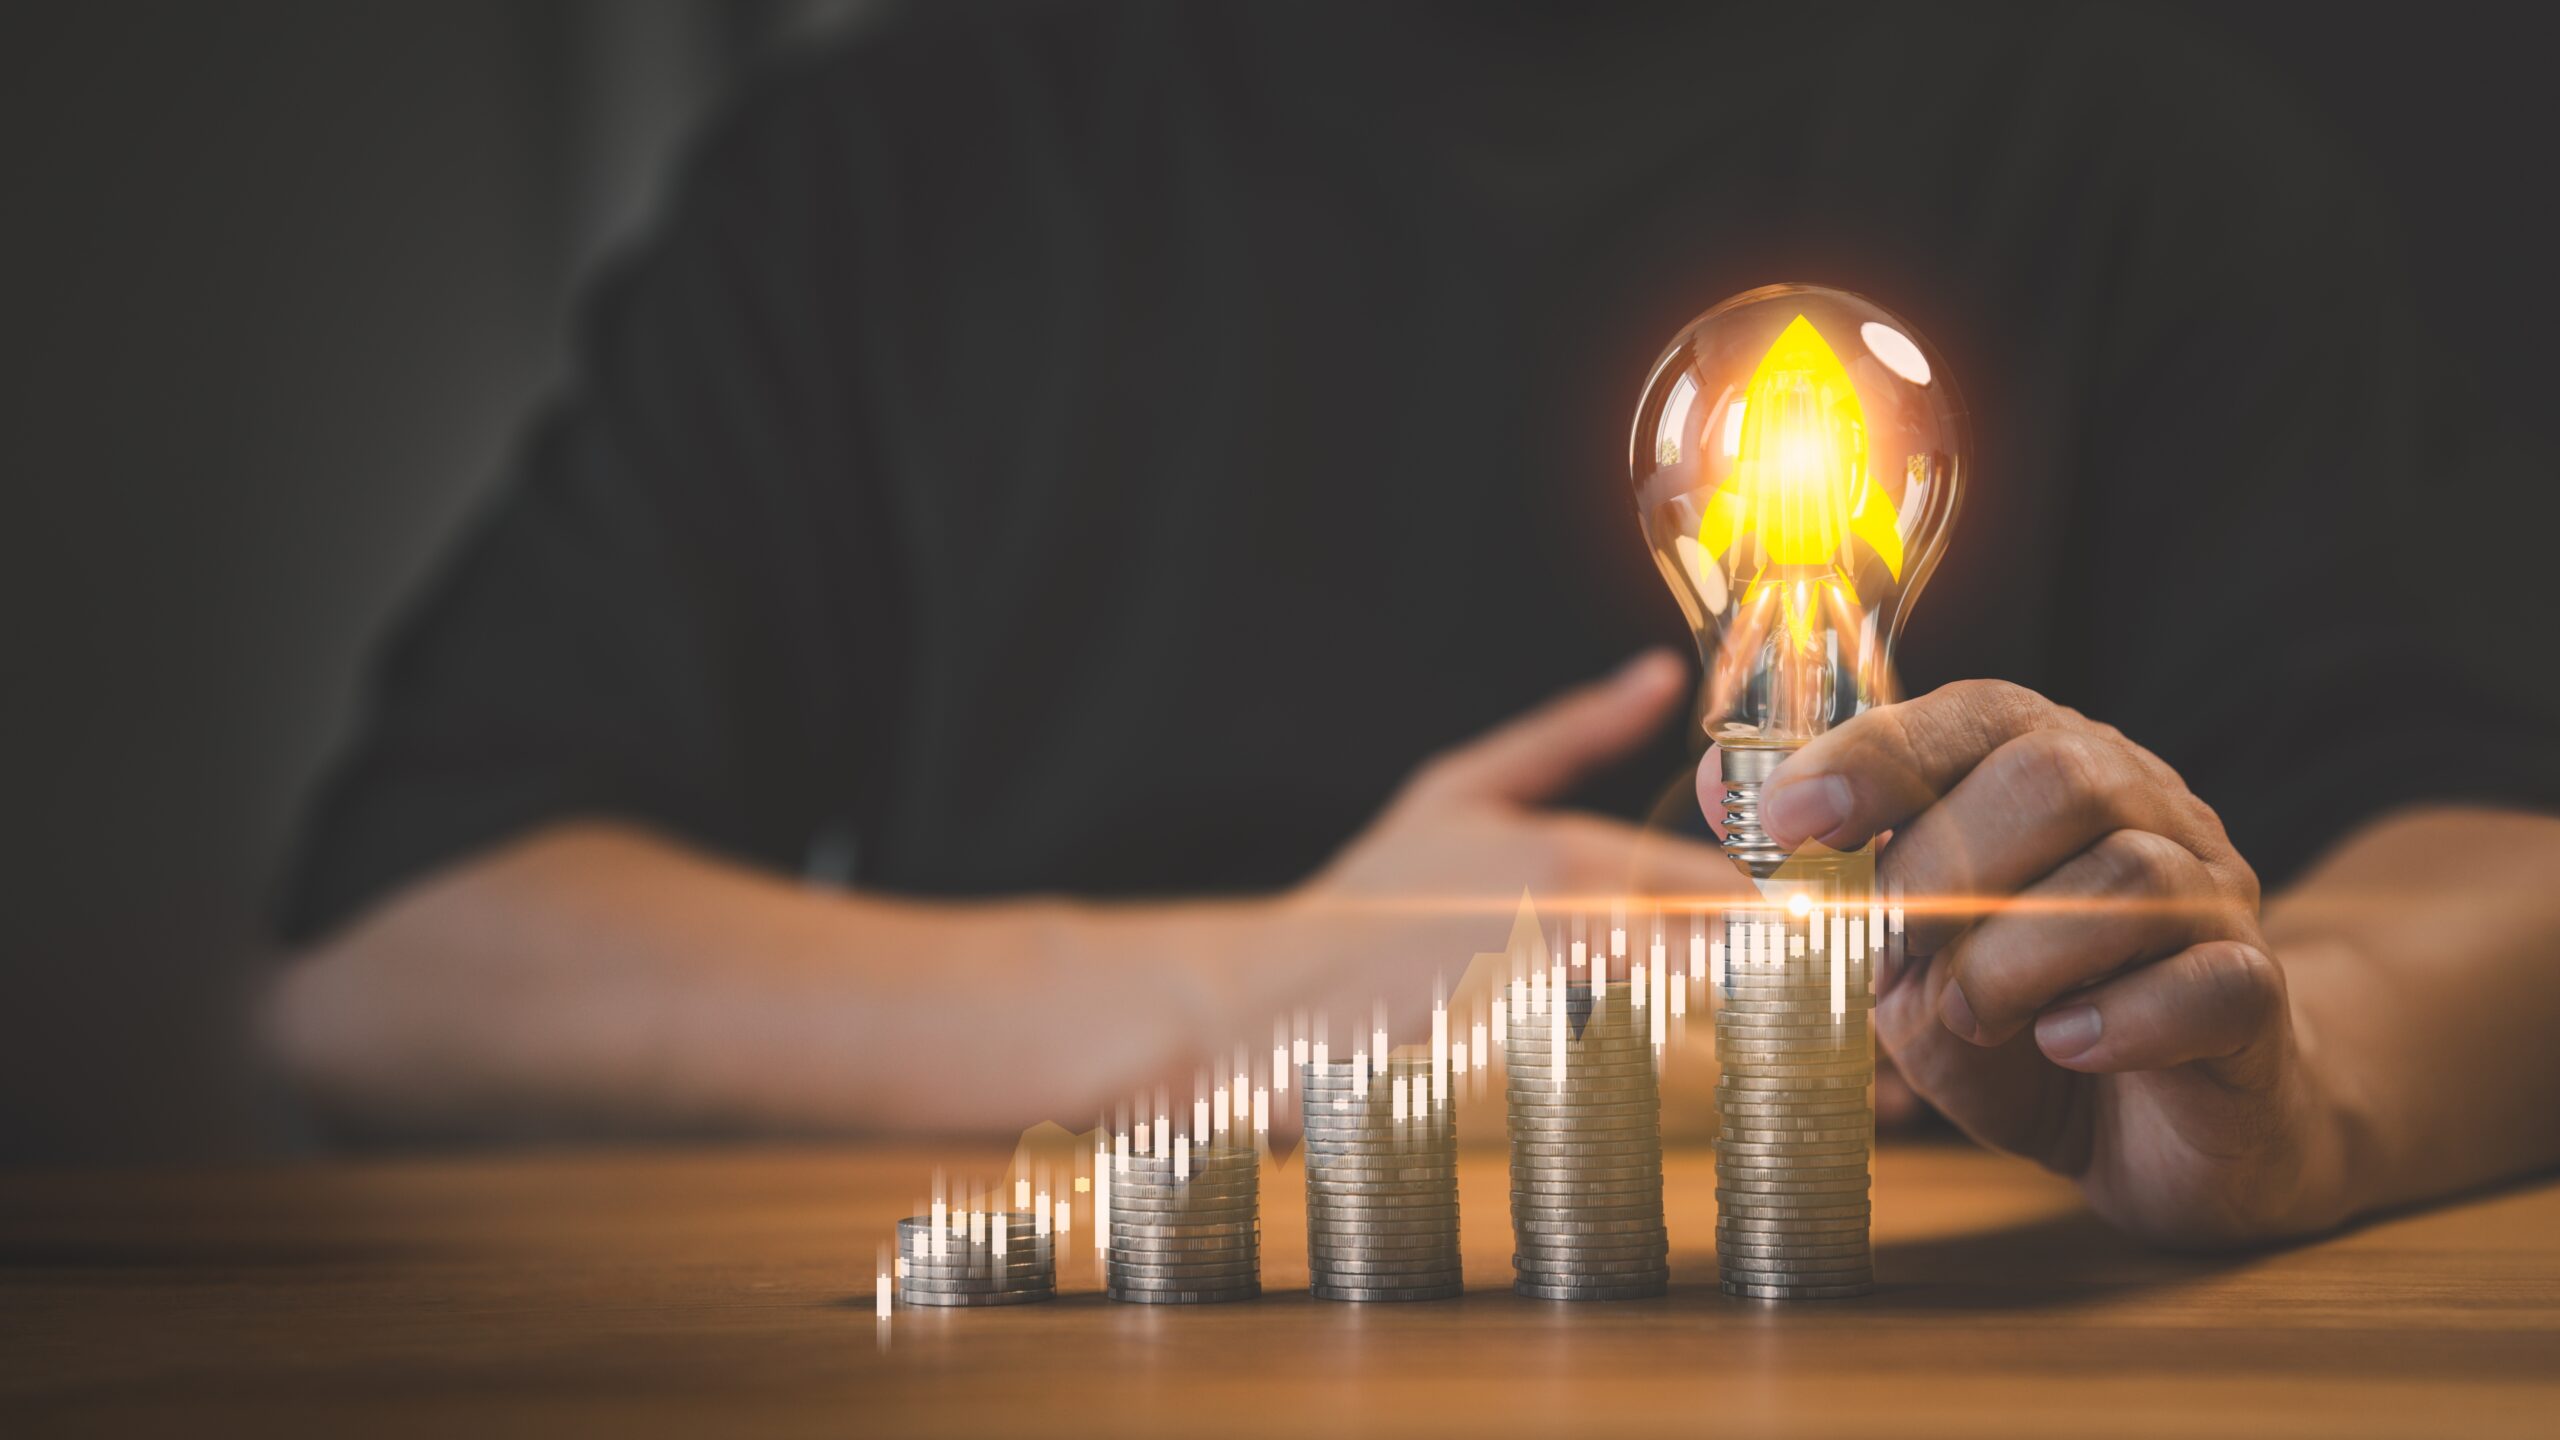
x=977, y=1226
x=941, y=1222
x=1200, y=1112
x=1439, y=1054
x=1795, y=946
x=1021, y=1192
x=880, y=1296
x=1697, y=948
x=1320, y=1059
x=1715, y=960
x=1580, y=954
x=1164, y=1131
x=1479, y=1036
x=1839, y=982
x=998, y=1227
x=1635, y=986
x=1661, y=1007
x=1217, y=1115
x=1261, y=1112
x=1813, y=930
x=1396, y=1094
x=1556, y=1028
x=1244, y=1105
x=1839, y=934
x=1040, y=1215
x=1280, y=1068
x=1059, y=1222
x=1875, y=919
x=1458, y=1056
x=1182, y=1157
x=1679, y=1000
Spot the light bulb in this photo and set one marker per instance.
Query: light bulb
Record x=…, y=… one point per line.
x=1797, y=460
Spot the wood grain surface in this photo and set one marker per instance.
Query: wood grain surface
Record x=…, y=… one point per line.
x=728, y=1291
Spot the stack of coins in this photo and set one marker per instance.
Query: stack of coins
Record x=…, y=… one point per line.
x=1382, y=1191
x=1586, y=1150
x=1187, y=1240
x=988, y=1259
x=1796, y=1046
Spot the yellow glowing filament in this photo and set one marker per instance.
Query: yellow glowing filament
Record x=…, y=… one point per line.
x=1801, y=485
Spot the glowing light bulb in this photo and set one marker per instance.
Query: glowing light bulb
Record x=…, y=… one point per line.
x=1797, y=459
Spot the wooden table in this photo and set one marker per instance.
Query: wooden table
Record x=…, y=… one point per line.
x=729, y=1291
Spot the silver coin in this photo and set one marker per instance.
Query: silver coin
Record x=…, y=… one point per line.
x=1197, y=1234
x=1571, y=1184
x=1383, y=1180
x=1741, y=1013
x=1408, y=1195
x=1633, y=1122
x=1565, y=1149
x=1438, y=1251
x=1386, y=1167
x=1566, y=1238
x=1757, y=1135
x=1193, y=1297
x=1212, y=1187
x=1381, y=1231
x=1644, y=1291
x=1766, y=1090
x=1826, y=1153
x=1776, y=1269
x=958, y=1294
x=1386, y=1276
x=977, y=1287
x=1585, y=1158
x=1381, y=1246
x=1630, y=1262
x=1181, y=1246
x=978, y=1265
x=1611, y=1110
x=1741, y=1253
x=1365, y=1294
x=1783, y=1059
x=1793, y=1189
x=933, y=1270
x=1816, y=1229
x=1208, y=1196
x=1799, y=1292
x=1181, y=1277
x=1790, y=1208
x=1855, y=1110
x=1383, y=1140
x=971, y=1302
x=1588, y=1219
x=1558, y=1186
x=1186, y=1218
x=1144, y=1277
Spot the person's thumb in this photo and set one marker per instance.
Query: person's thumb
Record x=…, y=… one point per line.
x=1538, y=755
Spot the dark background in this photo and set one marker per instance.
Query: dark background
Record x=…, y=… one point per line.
x=277, y=282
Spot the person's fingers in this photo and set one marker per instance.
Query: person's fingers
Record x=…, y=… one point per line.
x=1538, y=755
x=2002, y=1095
x=2028, y=807
x=2221, y=1002
x=1891, y=763
x=2132, y=896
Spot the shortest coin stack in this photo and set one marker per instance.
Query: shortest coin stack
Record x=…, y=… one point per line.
x=963, y=1271
x=1382, y=1192
x=1193, y=1240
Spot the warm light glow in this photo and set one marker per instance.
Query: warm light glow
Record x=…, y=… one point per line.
x=1801, y=485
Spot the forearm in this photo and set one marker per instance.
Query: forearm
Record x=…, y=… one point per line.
x=2423, y=963
x=599, y=976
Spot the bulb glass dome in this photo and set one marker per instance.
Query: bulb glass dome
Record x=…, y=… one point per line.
x=1797, y=461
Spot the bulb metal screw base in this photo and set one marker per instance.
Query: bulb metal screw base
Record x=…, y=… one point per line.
x=1747, y=762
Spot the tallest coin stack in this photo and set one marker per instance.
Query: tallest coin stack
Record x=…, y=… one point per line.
x=1795, y=1041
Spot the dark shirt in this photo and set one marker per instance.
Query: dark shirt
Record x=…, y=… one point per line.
x=1102, y=448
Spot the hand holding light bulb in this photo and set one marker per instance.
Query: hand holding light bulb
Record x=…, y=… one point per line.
x=2092, y=987
x=2089, y=984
